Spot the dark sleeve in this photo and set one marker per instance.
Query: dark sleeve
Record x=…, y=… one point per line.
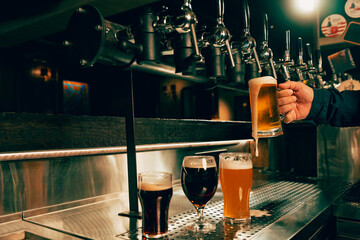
x=336, y=108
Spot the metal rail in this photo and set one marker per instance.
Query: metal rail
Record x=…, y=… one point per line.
x=15, y=156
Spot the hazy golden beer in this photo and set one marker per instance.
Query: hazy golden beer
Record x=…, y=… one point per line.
x=236, y=176
x=265, y=114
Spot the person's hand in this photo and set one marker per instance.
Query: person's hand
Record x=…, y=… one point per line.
x=295, y=100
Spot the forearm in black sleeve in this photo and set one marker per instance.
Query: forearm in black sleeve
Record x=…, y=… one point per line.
x=335, y=108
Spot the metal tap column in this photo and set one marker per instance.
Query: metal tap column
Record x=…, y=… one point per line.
x=131, y=151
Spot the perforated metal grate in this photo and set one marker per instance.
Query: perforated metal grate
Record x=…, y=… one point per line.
x=268, y=203
x=352, y=194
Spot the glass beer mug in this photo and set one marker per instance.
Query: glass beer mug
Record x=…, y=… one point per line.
x=236, y=176
x=155, y=192
x=265, y=114
x=199, y=180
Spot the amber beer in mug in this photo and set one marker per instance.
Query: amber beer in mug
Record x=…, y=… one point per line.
x=236, y=174
x=265, y=114
x=155, y=192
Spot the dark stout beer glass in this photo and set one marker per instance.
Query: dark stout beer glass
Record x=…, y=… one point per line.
x=199, y=180
x=155, y=192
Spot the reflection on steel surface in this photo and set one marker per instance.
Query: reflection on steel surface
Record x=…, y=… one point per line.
x=40, y=183
x=36, y=184
x=22, y=235
x=17, y=230
x=338, y=152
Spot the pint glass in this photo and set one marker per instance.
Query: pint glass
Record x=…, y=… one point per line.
x=155, y=192
x=265, y=114
x=236, y=180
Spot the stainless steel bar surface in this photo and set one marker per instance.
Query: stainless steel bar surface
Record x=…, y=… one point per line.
x=280, y=208
x=16, y=230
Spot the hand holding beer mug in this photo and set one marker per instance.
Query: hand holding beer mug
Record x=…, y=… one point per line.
x=265, y=114
x=199, y=180
x=155, y=192
x=236, y=180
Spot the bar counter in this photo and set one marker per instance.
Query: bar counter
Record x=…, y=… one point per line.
x=282, y=207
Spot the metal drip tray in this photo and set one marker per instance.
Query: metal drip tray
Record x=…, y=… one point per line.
x=348, y=206
x=23, y=235
x=352, y=195
x=268, y=203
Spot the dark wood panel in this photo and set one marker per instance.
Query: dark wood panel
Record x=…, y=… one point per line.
x=168, y=130
x=26, y=132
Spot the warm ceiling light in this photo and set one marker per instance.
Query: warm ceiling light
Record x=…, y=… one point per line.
x=304, y=6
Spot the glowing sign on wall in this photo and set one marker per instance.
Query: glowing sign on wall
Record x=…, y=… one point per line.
x=76, y=97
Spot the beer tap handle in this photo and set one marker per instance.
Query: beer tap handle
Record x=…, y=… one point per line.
x=248, y=43
x=266, y=29
x=186, y=22
x=273, y=69
x=320, y=63
x=246, y=17
x=266, y=53
x=272, y=65
x=309, y=51
x=221, y=36
x=231, y=57
x=220, y=19
x=286, y=73
x=266, y=39
x=287, y=49
x=257, y=59
x=301, y=51
x=192, y=30
x=196, y=44
x=187, y=3
x=299, y=75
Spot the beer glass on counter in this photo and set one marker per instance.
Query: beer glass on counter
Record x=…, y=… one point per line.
x=265, y=114
x=236, y=176
x=199, y=180
x=155, y=192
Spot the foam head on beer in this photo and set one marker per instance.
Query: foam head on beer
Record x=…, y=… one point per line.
x=154, y=187
x=204, y=162
x=235, y=162
x=153, y=182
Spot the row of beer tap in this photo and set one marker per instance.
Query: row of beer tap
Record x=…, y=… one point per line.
x=193, y=49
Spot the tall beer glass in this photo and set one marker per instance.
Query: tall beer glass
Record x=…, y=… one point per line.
x=265, y=114
x=236, y=180
x=199, y=180
x=155, y=192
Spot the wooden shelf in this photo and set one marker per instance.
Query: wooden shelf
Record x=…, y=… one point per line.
x=36, y=132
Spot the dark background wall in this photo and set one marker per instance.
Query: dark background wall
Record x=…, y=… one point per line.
x=155, y=96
